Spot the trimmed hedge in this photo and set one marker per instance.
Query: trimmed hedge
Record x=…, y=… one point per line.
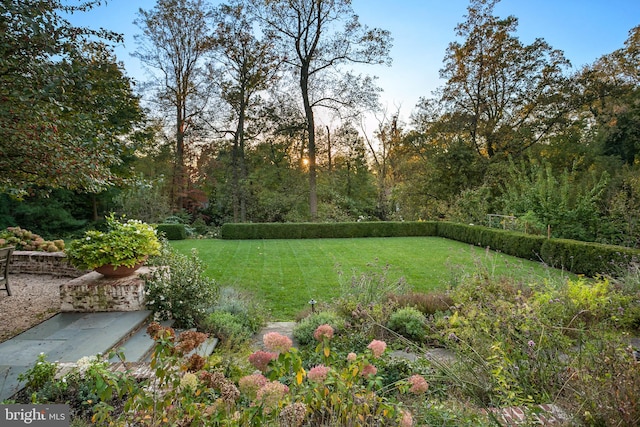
x=526, y=246
x=587, y=258
x=578, y=257
x=327, y=230
x=172, y=231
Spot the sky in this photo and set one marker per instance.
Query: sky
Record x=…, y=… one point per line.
x=422, y=29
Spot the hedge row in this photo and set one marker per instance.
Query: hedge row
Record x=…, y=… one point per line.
x=578, y=257
x=585, y=258
x=172, y=231
x=327, y=230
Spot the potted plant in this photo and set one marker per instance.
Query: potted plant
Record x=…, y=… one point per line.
x=119, y=251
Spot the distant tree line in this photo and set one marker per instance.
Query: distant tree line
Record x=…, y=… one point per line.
x=226, y=128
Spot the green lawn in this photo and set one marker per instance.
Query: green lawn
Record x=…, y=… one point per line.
x=285, y=274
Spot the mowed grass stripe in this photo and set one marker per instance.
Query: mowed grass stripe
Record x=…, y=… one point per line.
x=285, y=274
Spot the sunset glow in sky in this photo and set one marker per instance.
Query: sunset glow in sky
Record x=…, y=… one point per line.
x=583, y=29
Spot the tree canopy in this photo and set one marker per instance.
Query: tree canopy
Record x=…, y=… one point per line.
x=504, y=95
x=66, y=107
x=238, y=92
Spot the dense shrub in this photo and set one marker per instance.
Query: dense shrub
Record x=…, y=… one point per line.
x=408, y=322
x=586, y=304
x=586, y=258
x=243, y=306
x=364, y=300
x=85, y=387
x=227, y=327
x=234, y=319
x=327, y=230
x=370, y=286
x=303, y=330
x=172, y=231
x=178, y=289
x=605, y=394
x=56, y=215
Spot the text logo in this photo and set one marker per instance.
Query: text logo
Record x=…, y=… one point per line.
x=34, y=415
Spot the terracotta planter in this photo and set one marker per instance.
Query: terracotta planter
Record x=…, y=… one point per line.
x=109, y=270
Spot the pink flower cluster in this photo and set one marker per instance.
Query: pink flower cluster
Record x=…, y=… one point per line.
x=377, y=347
x=323, y=331
x=351, y=357
x=318, y=373
x=368, y=369
x=270, y=395
x=418, y=384
x=273, y=341
x=407, y=419
x=250, y=384
x=260, y=359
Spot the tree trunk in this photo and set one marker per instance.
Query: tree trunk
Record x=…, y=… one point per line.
x=177, y=192
x=308, y=111
x=239, y=167
x=329, y=147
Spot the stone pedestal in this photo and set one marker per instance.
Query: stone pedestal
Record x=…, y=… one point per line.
x=94, y=292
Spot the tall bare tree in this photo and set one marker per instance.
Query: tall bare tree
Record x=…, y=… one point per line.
x=244, y=66
x=175, y=43
x=317, y=38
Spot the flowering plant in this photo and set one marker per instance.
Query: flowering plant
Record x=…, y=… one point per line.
x=126, y=243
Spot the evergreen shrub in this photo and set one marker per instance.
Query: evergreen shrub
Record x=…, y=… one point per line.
x=587, y=258
x=172, y=231
x=328, y=230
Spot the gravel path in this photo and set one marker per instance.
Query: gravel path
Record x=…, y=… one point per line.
x=34, y=298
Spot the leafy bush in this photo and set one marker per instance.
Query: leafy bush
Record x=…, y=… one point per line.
x=125, y=243
x=303, y=331
x=227, y=327
x=584, y=304
x=200, y=226
x=342, y=391
x=605, y=394
x=408, y=322
x=178, y=289
x=244, y=308
x=39, y=374
x=144, y=199
x=586, y=258
x=87, y=387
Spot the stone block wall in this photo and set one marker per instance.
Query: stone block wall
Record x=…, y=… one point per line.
x=94, y=292
x=37, y=262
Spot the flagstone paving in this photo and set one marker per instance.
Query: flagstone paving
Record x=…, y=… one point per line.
x=66, y=337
